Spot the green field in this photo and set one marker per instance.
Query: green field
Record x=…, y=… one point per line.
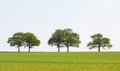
x=53, y=61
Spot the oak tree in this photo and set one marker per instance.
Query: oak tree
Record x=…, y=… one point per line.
x=17, y=40
x=31, y=40
x=56, y=39
x=70, y=38
x=99, y=41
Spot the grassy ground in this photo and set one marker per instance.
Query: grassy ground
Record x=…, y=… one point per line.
x=74, y=61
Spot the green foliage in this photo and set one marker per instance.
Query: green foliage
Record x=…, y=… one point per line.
x=99, y=41
x=56, y=39
x=17, y=40
x=23, y=39
x=65, y=38
x=70, y=39
x=31, y=40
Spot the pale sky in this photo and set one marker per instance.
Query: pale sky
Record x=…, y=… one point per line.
x=43, y=17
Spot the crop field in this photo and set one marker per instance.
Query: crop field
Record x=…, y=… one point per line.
x=53, y=61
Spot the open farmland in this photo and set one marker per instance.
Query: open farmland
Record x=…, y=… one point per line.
x=53, y=61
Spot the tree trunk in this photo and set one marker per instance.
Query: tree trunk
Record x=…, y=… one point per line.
x=67, y=49
x=58, y=49
x=18, y=49
x=99, y=49
x=28, y=49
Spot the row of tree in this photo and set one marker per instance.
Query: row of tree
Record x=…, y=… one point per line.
x=60, y=38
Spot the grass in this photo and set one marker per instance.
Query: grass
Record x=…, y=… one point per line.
x=53, y=61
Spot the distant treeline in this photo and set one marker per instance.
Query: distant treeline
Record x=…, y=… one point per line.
x=60, y=38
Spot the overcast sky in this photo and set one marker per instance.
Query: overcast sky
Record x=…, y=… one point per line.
x=43, y=17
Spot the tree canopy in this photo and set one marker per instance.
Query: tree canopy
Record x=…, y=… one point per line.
x=70, y=38
x=20, y=39
x=31, y=40
x=17, y=40
x=99, y=41
x=65, y=37
x=56, y=39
